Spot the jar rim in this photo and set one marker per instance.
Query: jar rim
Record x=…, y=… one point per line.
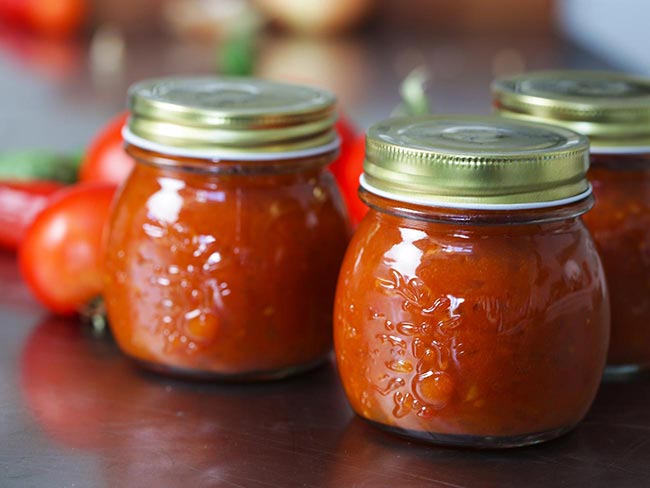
x=217, y=154
x=641, y=149
x=470, y=205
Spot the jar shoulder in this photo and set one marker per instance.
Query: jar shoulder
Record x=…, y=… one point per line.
x=478, y=264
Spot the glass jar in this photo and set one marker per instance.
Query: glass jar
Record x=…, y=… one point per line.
x=226, y=239
x=613, y=110
x=471, y=307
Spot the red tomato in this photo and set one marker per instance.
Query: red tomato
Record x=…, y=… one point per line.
x=61, y=255
x=347, y=169
x=20, y=201
x=346, y=131
x=106, y=160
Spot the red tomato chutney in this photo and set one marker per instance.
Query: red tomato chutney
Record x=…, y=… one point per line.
x=613, y=110
x=471, y=308
x=226, y=239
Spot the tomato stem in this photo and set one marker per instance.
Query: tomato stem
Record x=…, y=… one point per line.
x=94, y=313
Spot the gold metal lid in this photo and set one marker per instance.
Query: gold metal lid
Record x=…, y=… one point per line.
x=612, y=109
x=475, y=162
x=208, y=116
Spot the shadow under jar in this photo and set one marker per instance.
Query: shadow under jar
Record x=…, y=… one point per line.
x=226, y=239
x=613, y=110
x=471, y=307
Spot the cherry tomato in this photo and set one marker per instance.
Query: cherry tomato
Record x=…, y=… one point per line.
x=346, y=131
x=347, y=169
x=61, y=255
x=20, y=201
x=106, y=160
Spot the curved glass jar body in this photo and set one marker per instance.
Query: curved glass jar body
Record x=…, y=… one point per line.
x=471, y=328
x=620, y=224
x=225, y=270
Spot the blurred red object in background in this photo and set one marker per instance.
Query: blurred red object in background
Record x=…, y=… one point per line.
x=55, y=59
x=51, y=18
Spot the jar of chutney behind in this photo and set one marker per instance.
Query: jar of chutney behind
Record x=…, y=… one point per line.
x=613, y=110
x=226, y=239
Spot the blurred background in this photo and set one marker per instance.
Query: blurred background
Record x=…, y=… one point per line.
x=65, y=65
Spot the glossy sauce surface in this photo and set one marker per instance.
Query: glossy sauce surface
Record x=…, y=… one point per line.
x=470, y=329
x=225, y=274
x=620, y=224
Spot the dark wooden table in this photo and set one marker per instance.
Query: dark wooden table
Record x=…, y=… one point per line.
x=75, y=413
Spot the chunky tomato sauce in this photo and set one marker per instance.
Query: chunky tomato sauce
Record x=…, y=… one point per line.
x=225, y=274
x=620, y=224
x=479, y=328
